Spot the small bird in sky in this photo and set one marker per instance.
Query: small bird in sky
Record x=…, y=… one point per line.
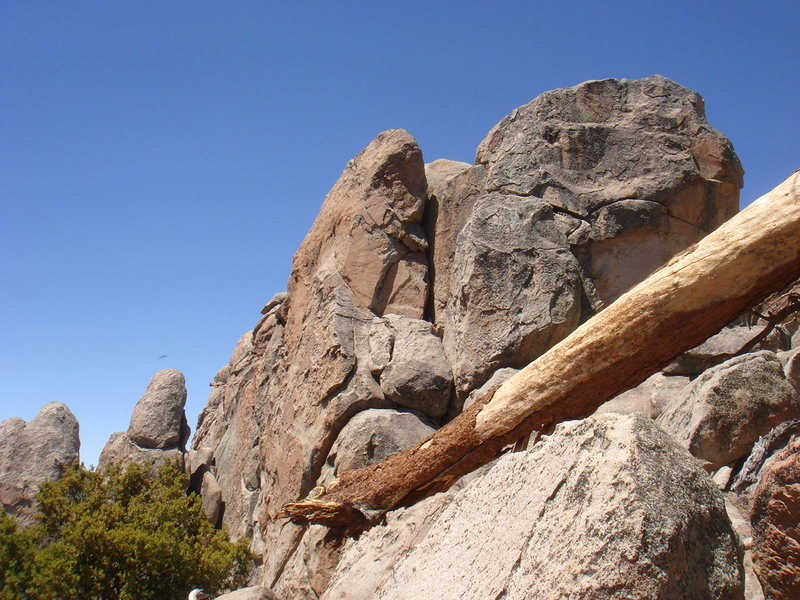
x=164, y=356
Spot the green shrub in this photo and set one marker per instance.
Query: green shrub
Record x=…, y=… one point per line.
x=119, y=535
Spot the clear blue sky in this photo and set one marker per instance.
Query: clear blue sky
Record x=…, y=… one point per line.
x=160, y=161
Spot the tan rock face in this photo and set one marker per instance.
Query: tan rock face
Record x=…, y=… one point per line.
x=158, y=430
x=309, y=366
x=416, y=283
x=605, y=508
x=776, y=524
x=33, y=452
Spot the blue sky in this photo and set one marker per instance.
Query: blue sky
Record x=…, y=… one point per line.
x=160, y=162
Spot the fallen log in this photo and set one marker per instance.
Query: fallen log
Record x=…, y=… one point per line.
x=687, y=300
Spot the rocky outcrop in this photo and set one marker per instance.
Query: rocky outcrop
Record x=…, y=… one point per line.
x=417, y=283
x=628, y=172
x=724, y=411
x=776, y=524
x=608, y=507
x=34, y=452
x=158, y=430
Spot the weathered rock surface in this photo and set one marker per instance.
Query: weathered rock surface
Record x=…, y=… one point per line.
x=776, y=524
x=608, y=507
x=515, y=289
x=158, y=430
x=158, y=420
x=121, y=451
x=721, y=347
x=495, y=381
x=649, y=398
x=33, y=452
x=416, y=373
x=371, y=436
x=630, y=173
x=724, y=411
x=308, y=366
x=417, y=282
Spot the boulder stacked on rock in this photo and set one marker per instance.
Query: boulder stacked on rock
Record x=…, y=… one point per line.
x=418, y=284
x=34, y=452
x=158, y=430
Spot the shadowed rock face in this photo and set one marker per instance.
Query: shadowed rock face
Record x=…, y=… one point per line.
x=33, y=452
x=416, y=284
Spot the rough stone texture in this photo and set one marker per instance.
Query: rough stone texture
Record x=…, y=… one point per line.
x=631, y=174
x=158, y=430
x=416, y=374
x=495, y=381
x=776, y=524
x=724, y=411
x=308, y=367
x=607, y=507
x=628, y=164
x=250, y=593
x=719, y=348
x=33, y=452
x=121, y=451
x=369, y=437
x=158, y=420
x=515, y=289
x=503, y=258
x=649, y=398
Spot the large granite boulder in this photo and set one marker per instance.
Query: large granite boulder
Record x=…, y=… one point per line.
x=34, y=452
x=158, y=420
x=776, y=524
x=515, y=289
x=628, y=172
x=158, y=430
x=410, y=364
x=723, y=412
x=605, y=508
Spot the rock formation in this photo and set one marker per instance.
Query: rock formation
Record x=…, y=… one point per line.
x=422, y=288
x=416, y=283
x=34, y=452
x=605, y=508
x=158, y=430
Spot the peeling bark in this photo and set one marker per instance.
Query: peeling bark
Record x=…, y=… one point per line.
x=691, y=297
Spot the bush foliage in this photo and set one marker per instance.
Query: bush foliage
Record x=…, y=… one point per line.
x=118, y=535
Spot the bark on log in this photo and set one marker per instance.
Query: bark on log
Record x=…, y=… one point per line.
x=691, y=297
